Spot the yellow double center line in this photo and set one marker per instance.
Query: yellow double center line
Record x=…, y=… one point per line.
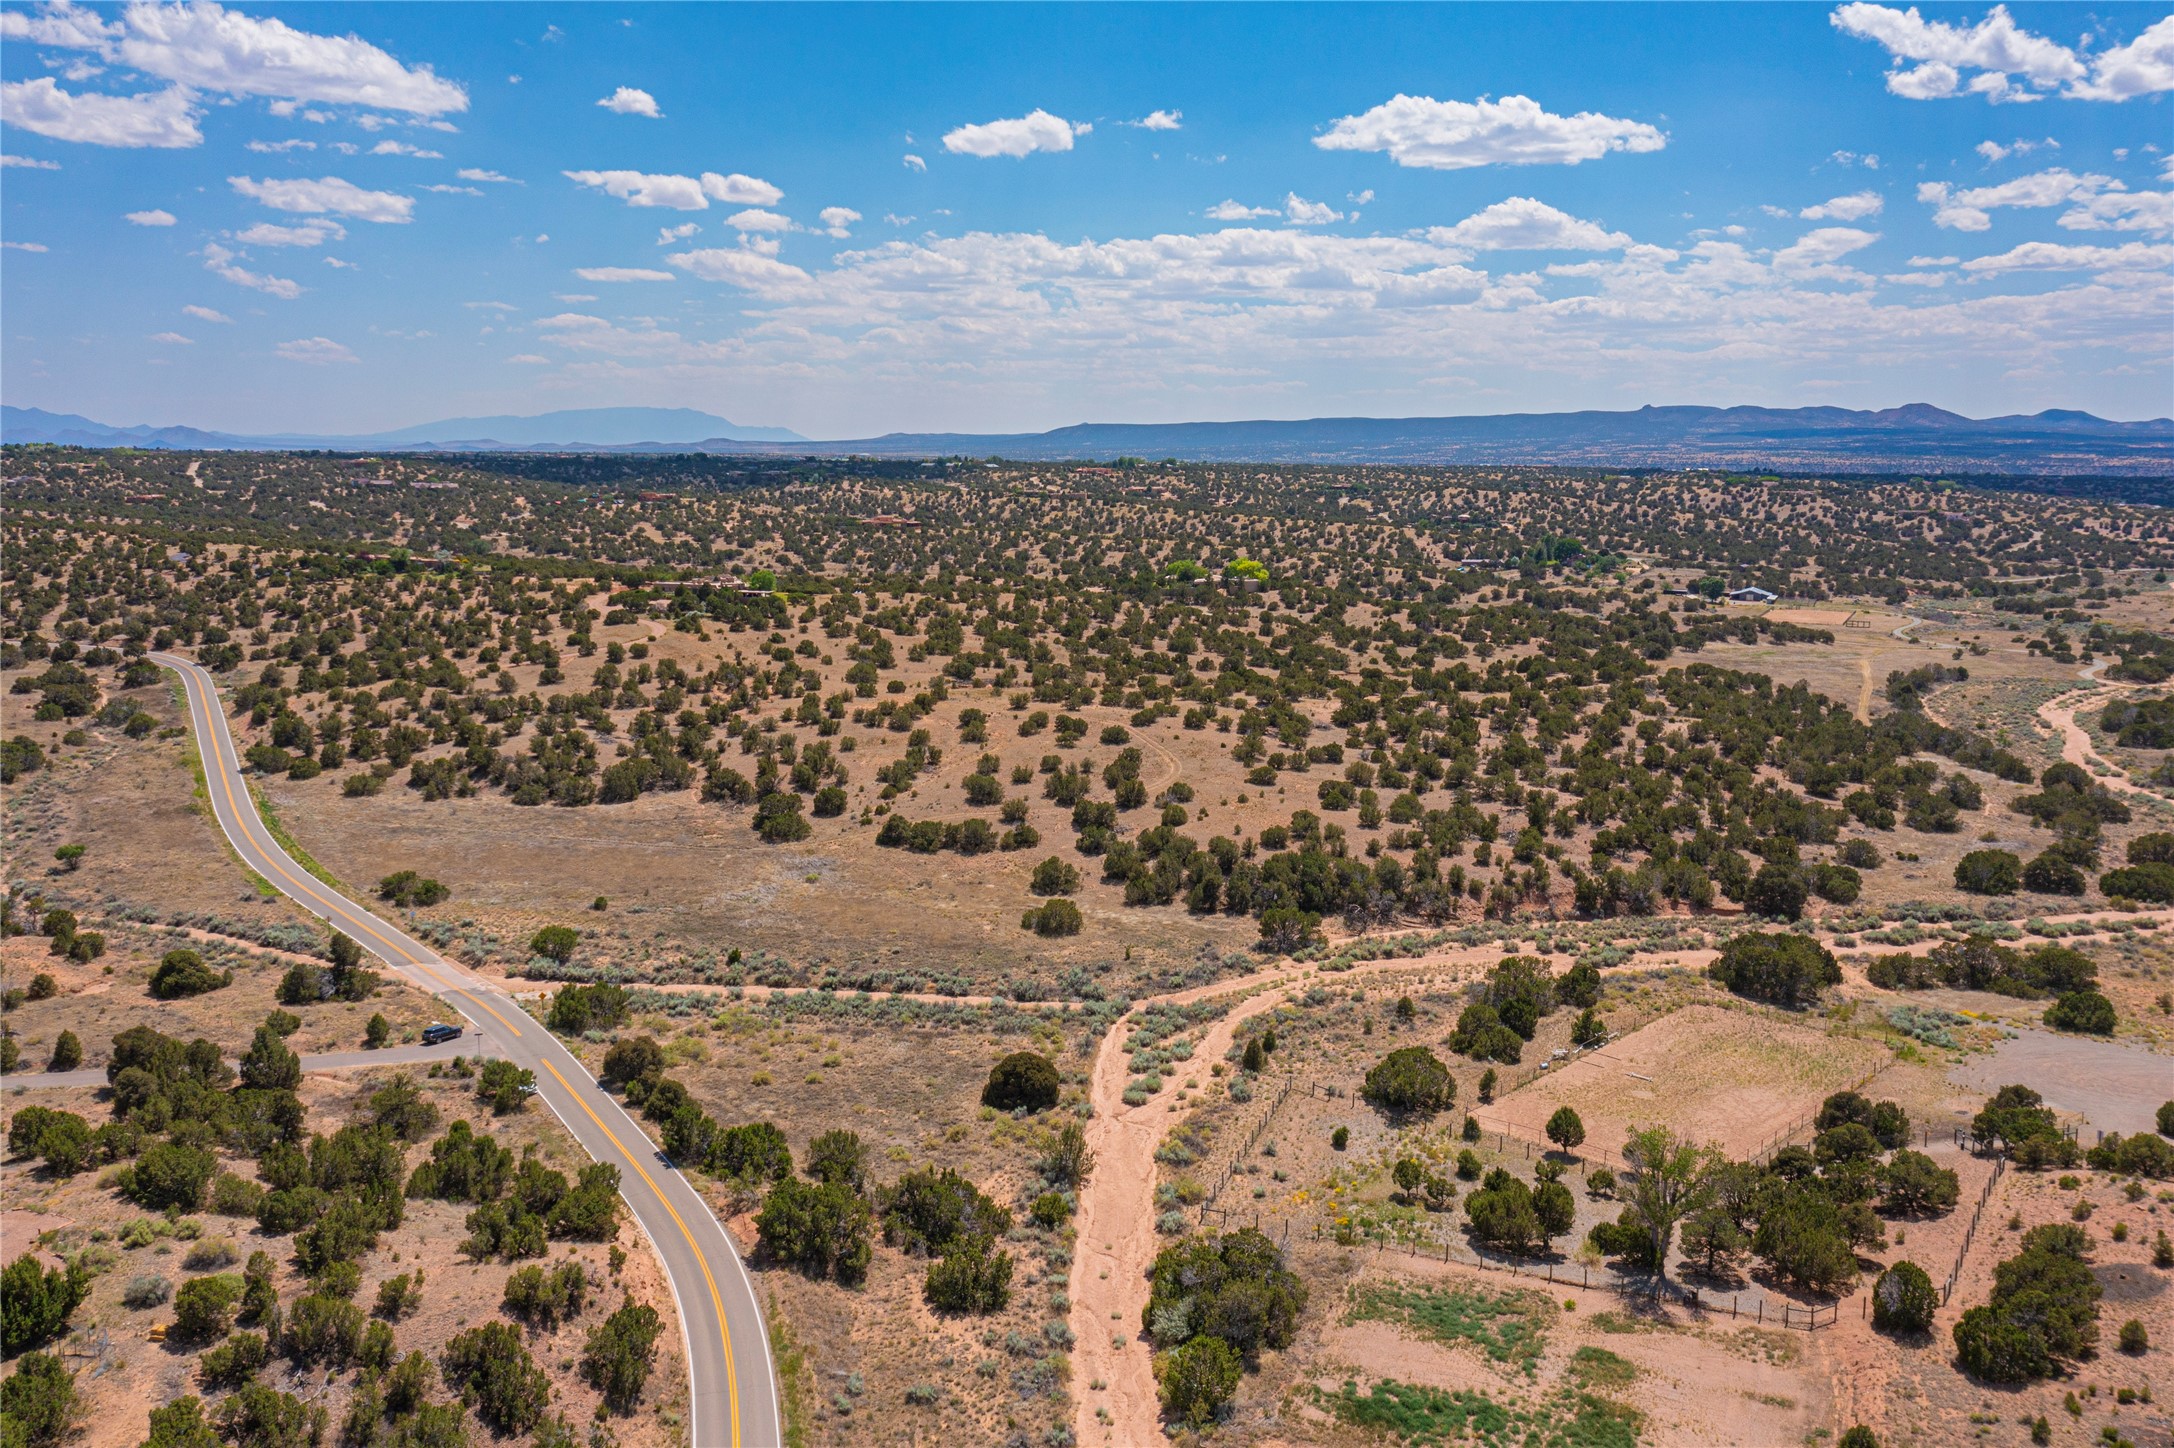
x=207, y=732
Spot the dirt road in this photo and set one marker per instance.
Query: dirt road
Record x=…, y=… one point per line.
x=1117, y=1245
x=2060, y=716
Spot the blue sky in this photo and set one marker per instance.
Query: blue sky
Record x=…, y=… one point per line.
x=853, y=219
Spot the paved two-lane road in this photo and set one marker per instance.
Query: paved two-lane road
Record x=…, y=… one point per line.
x=731, y=1384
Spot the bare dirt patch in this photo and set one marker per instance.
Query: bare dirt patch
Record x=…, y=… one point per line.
x=1735, y=1078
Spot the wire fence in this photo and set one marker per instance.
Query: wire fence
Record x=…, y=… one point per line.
x=1242, y=1154
x=1970, y=1232
x=1631, y=1287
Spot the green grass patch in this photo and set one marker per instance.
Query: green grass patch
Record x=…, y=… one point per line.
x=1580, y=1420
x=287, y=842
x=1620, y=1322
x=1422, y=1415
x=1435, y=1417
x=1509, y=1327
x=793, y=1377
x=1597, y=1367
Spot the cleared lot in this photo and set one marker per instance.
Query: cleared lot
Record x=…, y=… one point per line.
x=1733, y=1078
x=2115, y=1088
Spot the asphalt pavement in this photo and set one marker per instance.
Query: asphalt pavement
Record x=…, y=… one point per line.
x=734, y=1401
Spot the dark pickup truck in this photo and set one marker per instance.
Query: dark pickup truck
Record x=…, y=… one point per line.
x=434, y=1035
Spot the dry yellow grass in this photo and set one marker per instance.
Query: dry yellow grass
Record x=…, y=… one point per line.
x=1731, y=1077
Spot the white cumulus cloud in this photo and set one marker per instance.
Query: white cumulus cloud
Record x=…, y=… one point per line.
x=838, y=220
x=2005, y=62
x=679, y=193
x=315, y=351
x=739, y=266
x=199, y=47
x=150, y=218
x=2060, y=256
x=314, y=232
x=628, y=101
x=1817, y=255
x=327, y=194
x=1522, y=224
x=1514, y=131
x=2142, y=67
x=1237, y=211
x=1301, y=212
x=220, y=262
x=477, y=173
x=1854, y=207
x=1161, y=121
x=157, y=119
x=622, y=274
x=174, y=338
x=402, y=148
x=205, y=314
x=1969, y=209
x=27, y=163
x=756, y=219
x=1037, y=130
x=914, y=163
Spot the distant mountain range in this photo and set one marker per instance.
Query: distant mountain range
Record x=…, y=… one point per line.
x=1914, y=438
x=647, y=428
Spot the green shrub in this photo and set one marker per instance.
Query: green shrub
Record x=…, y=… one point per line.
x=1903, y=1299
x=2084, y=1011
x=928, y=1209
x=545, y=1296
x=2151, y=883
x=970, y=1277
x=1054, y=877
x=1481, y=1035
x=322, y=1328
x=182, y=973
x=619, y=1354
x=578, y=1009
x=821, y=1228
x=181, y=1424
x=1989, y=872
x=167, y=1175
x=1780, y=968
x=2043, y=1310
x=1022, y=1081
x=505, y=1086
x=630, y=1059
x=1053, y=919
x=1233, y=1286
x=1412, y=1079
x=1196, y=1379
x=204, y=1307
x=407, y=889
x=494, y=1374
x=555, y=942
x=37, y=1402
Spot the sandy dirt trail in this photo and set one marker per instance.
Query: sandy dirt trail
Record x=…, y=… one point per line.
x=1116, y=1243
x=1116, y=1219
x=2076, y=747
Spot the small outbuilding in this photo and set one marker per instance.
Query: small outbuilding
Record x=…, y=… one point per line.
x=1751, y=595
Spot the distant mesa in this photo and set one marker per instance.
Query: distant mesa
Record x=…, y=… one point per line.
x=649, y=429
x=1912, y=438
